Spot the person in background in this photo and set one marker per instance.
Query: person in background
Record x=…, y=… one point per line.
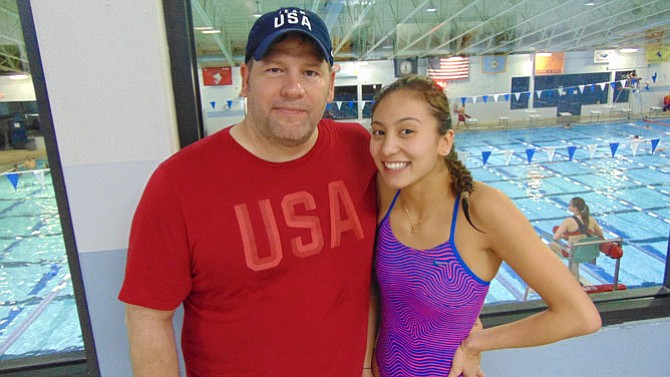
x=580, y=225
x=268, y=246
x=666, y=103
x=462, y=116
x=442, y=238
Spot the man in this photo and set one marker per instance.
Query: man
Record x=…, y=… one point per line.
x=666, y=103
x=268, y=246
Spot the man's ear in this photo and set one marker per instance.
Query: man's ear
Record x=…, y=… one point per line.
x=244, y=73
x=331, y=90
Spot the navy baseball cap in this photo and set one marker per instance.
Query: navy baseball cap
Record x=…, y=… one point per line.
x=272, y=25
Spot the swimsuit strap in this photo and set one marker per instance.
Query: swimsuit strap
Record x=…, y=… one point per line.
x=453, y=218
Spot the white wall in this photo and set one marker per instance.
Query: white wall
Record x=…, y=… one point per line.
x=113, y=114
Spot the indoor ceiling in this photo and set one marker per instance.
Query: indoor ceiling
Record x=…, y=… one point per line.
x=385, y=29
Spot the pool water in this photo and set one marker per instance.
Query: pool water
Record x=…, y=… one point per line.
x=38, y=313
x=626, y=187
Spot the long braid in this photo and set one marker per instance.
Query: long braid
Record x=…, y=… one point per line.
x=439, y=105
x=462, y=182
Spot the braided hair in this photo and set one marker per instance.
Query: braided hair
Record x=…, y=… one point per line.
x=433, y=94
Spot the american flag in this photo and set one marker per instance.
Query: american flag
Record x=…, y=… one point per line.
x=447, y=69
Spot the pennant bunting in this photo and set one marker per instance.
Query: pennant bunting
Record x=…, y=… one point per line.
x=654, y=144
x=529, y=154
x=634, y=145
x=463, y=101
x=13, y=179
x=39, y=175
x=474, y=99
x=571, y=151
x=508, y=156
x=485, y=156
x=550, y=153
x=592, y=149
x=613, y=148
x=495, y=97
x=506, y=97
x=229, y=103
x=213, y=103
x=485, y=98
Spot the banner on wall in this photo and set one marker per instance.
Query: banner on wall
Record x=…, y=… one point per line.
x=602, y=56
x=217, y=76
x=494, y=63
x=550, y=65
x=658, y=53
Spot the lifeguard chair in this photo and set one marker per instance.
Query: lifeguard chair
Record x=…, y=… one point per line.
x=587, y=250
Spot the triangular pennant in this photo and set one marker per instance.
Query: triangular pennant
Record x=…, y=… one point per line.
x=495, y=97
x=571, y=151
x=654, y=144
x=613, y=148
x=602, y=85
x=592, y=149
x=474, y=99
x=351, y=104
x=613, y=84
x=485, y=156
x=485, y=98
x=13, y=179
x=529, y=154
x=39, y=175
x=506, y=97
x=550, y=94
x=539, y=93
x=229, y=103
x=581, y=88
x=550, y=153
x=463, y=101
x=593, y=88
x=338, y=104
x=623, y=82
x=213, y=103
x=517, y=95
x=508, y=156
x=634, y=145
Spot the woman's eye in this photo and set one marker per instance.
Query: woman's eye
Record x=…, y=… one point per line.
x=377, y=133
x=406, y=132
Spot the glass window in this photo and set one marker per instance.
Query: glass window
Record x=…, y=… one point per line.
x=41, y=297
x=524, y=183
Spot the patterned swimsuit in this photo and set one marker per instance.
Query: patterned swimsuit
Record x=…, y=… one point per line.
x=429, y=300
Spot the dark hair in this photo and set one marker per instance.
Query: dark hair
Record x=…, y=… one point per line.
x=438, y=102
x=584, y=212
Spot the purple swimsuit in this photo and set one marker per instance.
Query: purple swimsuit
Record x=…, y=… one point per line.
x=429, y=300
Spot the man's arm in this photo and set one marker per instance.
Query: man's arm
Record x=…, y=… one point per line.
x=153, y=351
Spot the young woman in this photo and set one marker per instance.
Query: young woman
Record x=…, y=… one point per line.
x=441, y=240
x=581, y=224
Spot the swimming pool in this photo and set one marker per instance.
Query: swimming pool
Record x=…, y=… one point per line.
x=610, y=165
x=38, y=312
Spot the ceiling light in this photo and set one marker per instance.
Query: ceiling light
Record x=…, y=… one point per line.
x=211, y=31
x=201, y=28
x=544, y=53
x=258, y=10
x=628, y=50
x=18, y=76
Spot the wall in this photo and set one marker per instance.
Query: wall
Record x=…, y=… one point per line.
x=113, y=114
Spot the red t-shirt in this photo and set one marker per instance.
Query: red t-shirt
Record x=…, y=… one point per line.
x=272, y=261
